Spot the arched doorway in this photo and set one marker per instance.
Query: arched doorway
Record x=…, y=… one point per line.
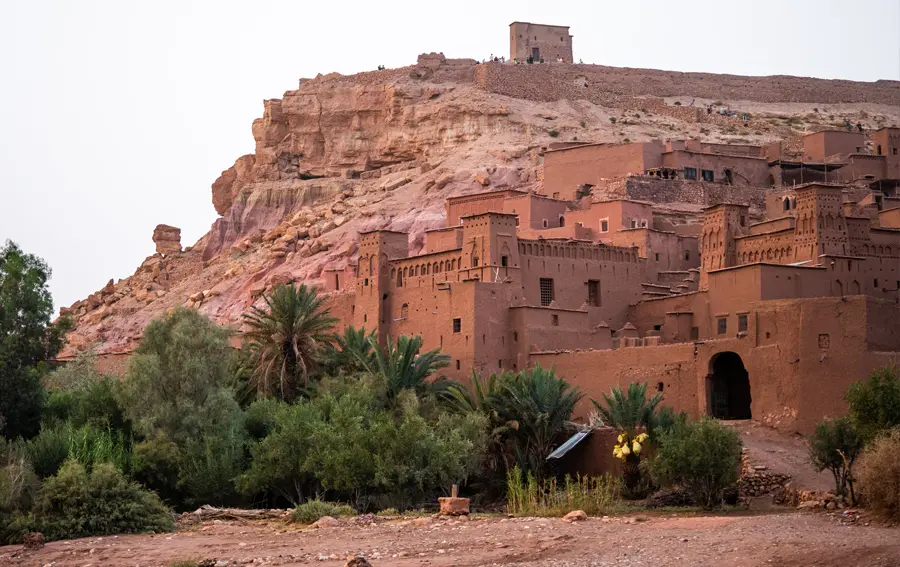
x=728, y=387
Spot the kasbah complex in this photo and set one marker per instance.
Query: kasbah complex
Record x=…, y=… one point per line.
x=766, y=306
x=739, y=280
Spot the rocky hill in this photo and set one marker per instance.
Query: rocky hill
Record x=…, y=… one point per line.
x=384, y=149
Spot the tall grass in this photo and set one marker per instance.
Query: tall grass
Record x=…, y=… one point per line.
x=91, y=445
x=527, y=496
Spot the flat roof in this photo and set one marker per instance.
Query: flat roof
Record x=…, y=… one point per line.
x=383, y=230
x=534, y=24
x=833, y=130
x=481, y=193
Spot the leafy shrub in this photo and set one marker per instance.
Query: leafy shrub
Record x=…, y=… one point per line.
x=259, y=418
x=49, y=450
x=553, y=133
x=835, y=445
x=703, y=457
x=18, y=487
x=677, y=103
x=528, y=496
x=211, y=465
x=875, y=404
x=155, y=465
x=311, y=510
x=879, y=475
x=612, y=119
x=387, y=513
x=75, y=503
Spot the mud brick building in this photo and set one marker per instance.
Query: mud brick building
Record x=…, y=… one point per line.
x=751, y=300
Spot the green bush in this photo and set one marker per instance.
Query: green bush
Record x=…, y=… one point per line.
x=311, y=510
x=879, y=475
x=387, y=513
x=874, y=405
x=91, y=445
x=702, y=457
x=835, y=445
x=156, y=464
x=49, y=450
x=259, y=417
x=75, y=503
x=211, y=465
x=553, y=133
x=18, y=487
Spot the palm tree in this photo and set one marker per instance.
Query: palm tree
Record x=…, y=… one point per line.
x=486, y=399
x=403, y=367
x=541, y=405
x=627, y=412
x=352, y=352
x=285, y=338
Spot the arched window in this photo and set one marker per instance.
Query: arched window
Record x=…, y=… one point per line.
x=404, y=311
x=562, y=221
x=786, y=204
x=474, y=261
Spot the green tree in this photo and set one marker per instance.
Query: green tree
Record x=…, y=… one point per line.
x=835, y=445
x=875, y=403
x=403, y=366
x=177, y=382
x=703, y=457
x=628, y=412
x=539, y=405
x=27, y=339
x=286, y=338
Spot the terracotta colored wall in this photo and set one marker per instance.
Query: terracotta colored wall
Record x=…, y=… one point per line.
x=565, y=170
x=889, y=140
x=745, y=170
x=861, y=167
x=821, y=145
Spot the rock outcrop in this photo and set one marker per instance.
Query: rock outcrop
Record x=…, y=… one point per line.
x=167, y=239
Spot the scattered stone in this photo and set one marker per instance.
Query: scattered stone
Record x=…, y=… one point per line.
x=358, y=561
x=575, y=516
x=326, y=522
x=33, y=541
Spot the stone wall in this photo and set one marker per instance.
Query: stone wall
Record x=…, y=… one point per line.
x=601, y=84
x=657, y=190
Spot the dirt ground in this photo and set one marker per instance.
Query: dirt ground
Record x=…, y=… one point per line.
x=786, y=539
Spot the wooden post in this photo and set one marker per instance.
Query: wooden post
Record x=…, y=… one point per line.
x=454, y=491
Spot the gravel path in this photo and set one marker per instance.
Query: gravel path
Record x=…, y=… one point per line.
x=788, y=539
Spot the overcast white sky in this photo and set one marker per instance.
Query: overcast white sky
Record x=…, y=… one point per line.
x=118, y=115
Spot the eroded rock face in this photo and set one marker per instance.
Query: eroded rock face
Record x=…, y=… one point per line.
x=167, y=239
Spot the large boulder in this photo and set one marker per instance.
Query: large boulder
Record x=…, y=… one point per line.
x=167, y=239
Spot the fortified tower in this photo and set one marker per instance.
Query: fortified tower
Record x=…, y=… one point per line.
x=373, y=289
x=539, y=40
x=721, y=223
x=490, y=247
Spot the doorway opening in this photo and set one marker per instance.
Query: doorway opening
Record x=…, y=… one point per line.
x=535, y=54
x=728, y=387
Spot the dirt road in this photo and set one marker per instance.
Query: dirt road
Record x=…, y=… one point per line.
x=786, y=539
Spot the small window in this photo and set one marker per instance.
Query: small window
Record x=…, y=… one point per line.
x=656, y=255
x=690, y=173
x=546, y=291
x=515, y=336
x=644, y=223
x=743, y=220
x=742, y=323
x=504, y=261
x=517, y=220
x=876, y=283
x=365, y=318
x=659, y=386
x=556, y=195
x=562, y=221
x=544, y=223
x=404, y=311
x=634, y=223
x=722, y=325
x=366, y=282
x=554, y=320
x=894, y=151
x=474, y=261
x=687, y=255
x=500, y=364
x=695, y=333
x=879, y=149
x=594, y=293
x=604, y=225
x=457, y=325
x=457, y=364
x=708, y=175
x=657, y=327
